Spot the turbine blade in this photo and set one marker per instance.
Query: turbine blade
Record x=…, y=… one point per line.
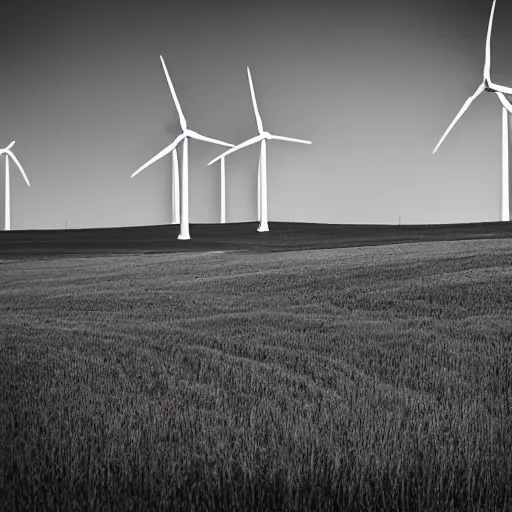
x=10, y=145
x=254, y=104
x=504, y=101
x=183, y=122
x=459, y=115
x=162, y=153
x=289, y=139
x=198, y=136
x=500, y=88
x=487, y=65
x=11, y=154
x=248, y=142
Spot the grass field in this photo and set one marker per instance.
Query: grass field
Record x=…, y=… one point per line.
x=365, y=378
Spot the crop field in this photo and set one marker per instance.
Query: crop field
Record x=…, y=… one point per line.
x=353, y=379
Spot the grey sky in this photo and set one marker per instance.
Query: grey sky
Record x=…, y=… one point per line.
x=372, y=83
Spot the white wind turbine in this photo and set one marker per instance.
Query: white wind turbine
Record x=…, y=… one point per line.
x=9, y=153
x=262, y=167
x=489, y=86
x=184, y=136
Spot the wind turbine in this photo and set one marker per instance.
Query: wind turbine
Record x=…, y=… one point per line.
x=182, y=137
x=9, y=153
x=489, y=86
x=262, y=167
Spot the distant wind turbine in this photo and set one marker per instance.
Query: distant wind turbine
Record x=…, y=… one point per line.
x=9, y=153
x=184, y=136
x=262, y=167
x=489, y=86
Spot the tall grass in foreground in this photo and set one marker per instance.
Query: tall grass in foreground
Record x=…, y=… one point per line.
x=357, y=379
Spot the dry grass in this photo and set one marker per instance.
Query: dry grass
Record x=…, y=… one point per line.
x=375, y=378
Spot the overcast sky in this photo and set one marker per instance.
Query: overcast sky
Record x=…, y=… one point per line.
x=373, y=83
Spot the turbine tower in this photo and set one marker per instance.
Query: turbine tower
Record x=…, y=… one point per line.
x=222, y=190
x=182, y=137
x=9, y=153
x=175, y=188
x=262, y=167
x=489, y=86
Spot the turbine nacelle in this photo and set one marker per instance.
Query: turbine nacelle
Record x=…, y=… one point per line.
x=488, y=87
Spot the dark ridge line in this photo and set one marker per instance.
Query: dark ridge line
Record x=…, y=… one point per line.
x=283, y=236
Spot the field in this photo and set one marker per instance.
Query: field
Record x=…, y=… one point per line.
x=354, y=378
x=283, y=236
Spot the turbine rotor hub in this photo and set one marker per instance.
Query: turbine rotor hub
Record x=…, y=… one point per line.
x=488, y=87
